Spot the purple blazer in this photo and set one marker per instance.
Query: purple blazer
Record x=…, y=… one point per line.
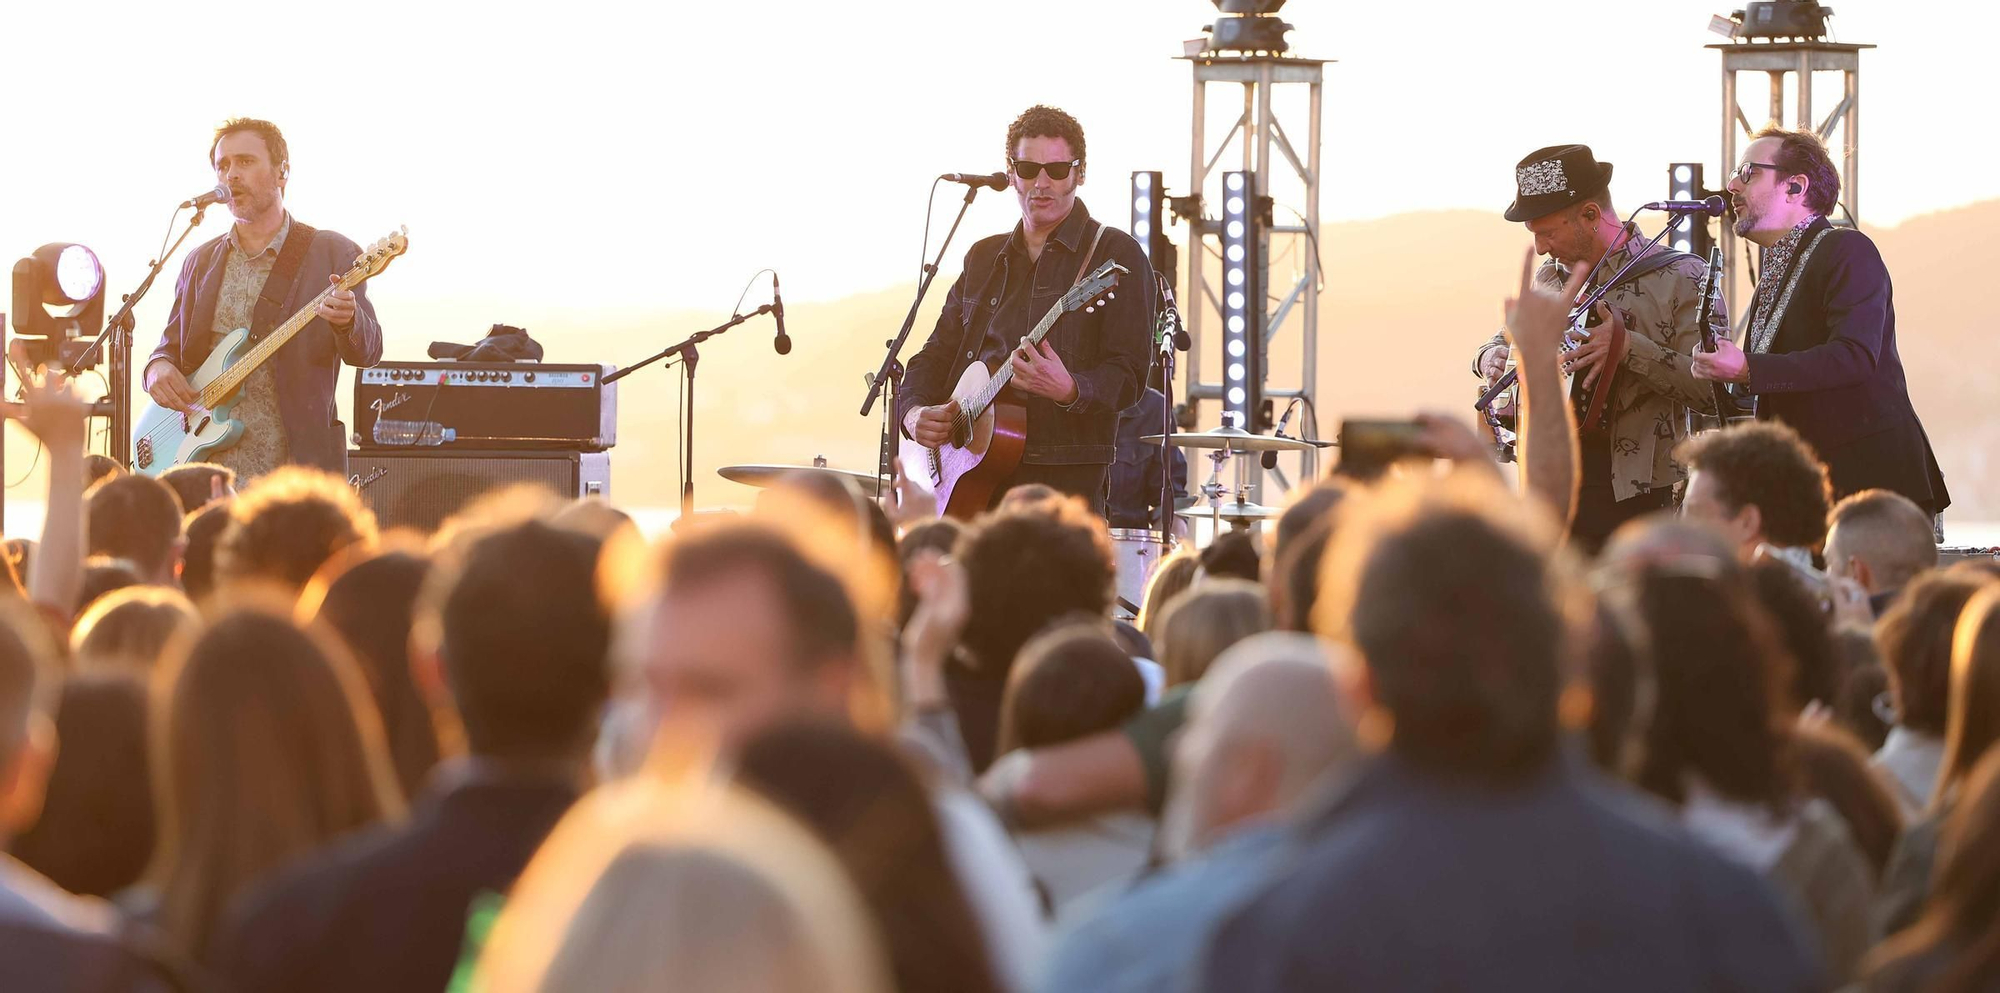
x=307, y=370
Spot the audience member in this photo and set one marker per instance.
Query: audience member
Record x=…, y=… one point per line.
x=370, y=602
x=1915, y=640
x=869, y=805
x=50, y=940
x=1718, y=749
x=1451, y=599
x=138, y=519
x=125, y=631
x=204, y=529
x=1817, y=669
x=1175, y=573
x=1198, y=625
x=1232, y=555
x=288, y=525
x=1880, y=539
x=1955, y=946
x=511, y=631
x=1069, y=682
x=649, y=886
x=1263, y=728
x=95, y=833
x=1972, y=728
x=264, y=748
x=104, y=575
x=199, y=484
x=1027, y=567
x=1758, y=483
x=1834, y=766
x=744, y=633
x=938, y=535
x=97, y=468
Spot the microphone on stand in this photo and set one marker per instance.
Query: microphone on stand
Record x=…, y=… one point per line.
x=783, y=342
x=991, y=181
x=1713, y=206
x=1270, y=459
x=218, y=195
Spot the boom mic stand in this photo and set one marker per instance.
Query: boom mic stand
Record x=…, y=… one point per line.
x=118, y=334
x=690, y=357
x=889, y=376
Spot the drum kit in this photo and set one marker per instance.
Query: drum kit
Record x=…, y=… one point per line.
x=1137, y=551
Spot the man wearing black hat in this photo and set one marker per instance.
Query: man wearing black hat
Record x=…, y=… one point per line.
x=1634, y=381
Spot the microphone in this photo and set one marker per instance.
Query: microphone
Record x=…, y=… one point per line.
x=218, y=195
x=992, y=181
x=1270, y=459
x=1713, y=206
x=783, y=342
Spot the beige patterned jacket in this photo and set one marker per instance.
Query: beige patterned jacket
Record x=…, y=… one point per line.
x=1655, y=384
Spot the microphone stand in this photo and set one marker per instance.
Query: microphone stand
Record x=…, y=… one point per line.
x=1167, y=507
x=889, y=376
x=690, y=357
x=1500, y=385
x=118, y=333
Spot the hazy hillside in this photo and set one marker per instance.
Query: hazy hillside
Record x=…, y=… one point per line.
x=1406, y=299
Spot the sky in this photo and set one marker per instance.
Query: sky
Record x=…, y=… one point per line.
x=586, y=160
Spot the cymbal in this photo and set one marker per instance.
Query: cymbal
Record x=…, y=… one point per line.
x=1233, y=511
x=769, y=475
x=1233, y=439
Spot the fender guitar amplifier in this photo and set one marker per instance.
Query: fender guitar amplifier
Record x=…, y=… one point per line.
x=485, y=405
x=419, y=488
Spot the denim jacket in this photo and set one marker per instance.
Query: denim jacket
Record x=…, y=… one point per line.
x=1105, y=352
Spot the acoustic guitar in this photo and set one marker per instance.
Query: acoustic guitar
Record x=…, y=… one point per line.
x=167, y=438
x=988, y=433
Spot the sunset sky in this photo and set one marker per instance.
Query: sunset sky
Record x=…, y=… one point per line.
x=575, y=161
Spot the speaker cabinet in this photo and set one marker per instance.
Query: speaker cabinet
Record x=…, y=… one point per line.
x=419, y=489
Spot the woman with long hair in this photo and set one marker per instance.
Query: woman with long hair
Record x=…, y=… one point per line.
x=369, y=601
x=1955, y=946
x=265, y=746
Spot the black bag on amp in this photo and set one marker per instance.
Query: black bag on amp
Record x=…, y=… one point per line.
x=420, y=487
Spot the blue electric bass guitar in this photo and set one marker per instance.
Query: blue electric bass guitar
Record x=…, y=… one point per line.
x=167, y=438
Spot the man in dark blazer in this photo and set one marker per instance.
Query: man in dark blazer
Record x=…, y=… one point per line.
x=1820, y=350
x=287, y=407
x=513, y=629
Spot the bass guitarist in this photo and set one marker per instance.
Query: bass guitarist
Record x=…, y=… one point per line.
x=1091, y=365
x=1633, y=382
x=266, y=267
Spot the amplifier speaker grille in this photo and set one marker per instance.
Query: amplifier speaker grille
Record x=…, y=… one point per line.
x=420, y=489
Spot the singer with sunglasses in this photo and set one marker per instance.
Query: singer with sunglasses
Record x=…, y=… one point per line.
x=1091, y=365
x=1819, y=353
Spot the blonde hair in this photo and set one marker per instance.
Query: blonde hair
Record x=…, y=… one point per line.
x=646, y=881
x=1202, y=622
x=126, y=629
x=1174, y=573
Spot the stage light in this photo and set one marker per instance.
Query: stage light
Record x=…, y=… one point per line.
x=1249, y=26
x=63, y=276
x=1684, y=182
x=1243, y=306
x=1774, y=19
x=1149, y=228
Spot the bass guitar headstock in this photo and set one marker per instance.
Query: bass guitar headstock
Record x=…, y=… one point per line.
x=376, y=258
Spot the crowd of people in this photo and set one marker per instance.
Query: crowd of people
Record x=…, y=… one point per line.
x=1410, y=739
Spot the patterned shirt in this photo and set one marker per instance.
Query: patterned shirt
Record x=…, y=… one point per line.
x=1655, y=385
x=262, y=446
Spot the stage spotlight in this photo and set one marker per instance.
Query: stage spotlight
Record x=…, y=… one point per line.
x=1242, y=304
x=1150, y=217
x=63, y=276
x=1773, y=19
x=1253, y=26
x=1684, y=182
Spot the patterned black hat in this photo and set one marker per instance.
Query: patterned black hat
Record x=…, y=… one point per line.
x=1552, y=178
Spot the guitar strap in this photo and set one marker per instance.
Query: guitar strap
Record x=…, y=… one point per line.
x=1084, y=269
x=278, y=285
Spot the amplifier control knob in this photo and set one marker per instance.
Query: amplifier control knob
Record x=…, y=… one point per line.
x=527, y=377
x=506, y=377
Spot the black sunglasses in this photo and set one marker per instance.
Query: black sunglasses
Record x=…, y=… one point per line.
x=1029, y=170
